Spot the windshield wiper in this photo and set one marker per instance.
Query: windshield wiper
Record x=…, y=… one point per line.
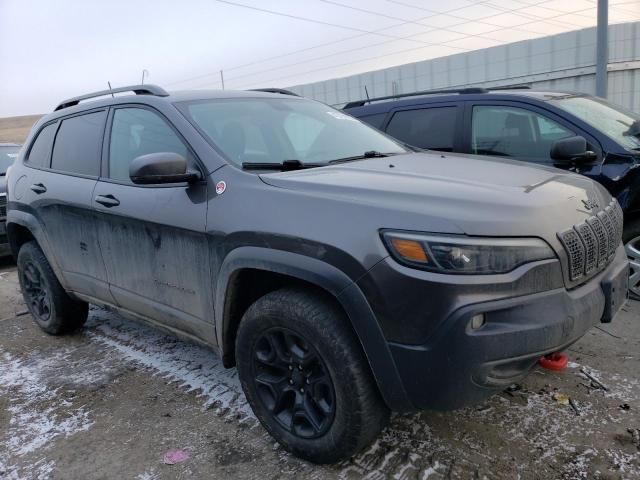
x=369, y=154
x=284, y=166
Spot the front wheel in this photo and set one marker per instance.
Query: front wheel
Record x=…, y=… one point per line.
x=631, y=240
x=306, y=378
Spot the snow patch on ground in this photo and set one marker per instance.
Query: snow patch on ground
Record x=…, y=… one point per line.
x=147, y=475
x=619, y=387
x=37, y=414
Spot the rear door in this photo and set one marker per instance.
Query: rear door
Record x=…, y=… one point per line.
x=434, y=126
x=153, y=236
x=64, y=163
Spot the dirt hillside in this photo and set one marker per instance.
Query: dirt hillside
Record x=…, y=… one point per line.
x=16, y=129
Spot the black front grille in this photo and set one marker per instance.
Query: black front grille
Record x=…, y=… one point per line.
x=591, y=245
x=3, y=206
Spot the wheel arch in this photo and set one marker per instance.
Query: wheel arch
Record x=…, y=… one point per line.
x=278, y=268
x=23, y=227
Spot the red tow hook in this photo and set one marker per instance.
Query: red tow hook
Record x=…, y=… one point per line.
x=555, y=361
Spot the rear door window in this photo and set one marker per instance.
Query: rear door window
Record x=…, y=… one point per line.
x=40, y=153
x=78, y=144
x=433, y=128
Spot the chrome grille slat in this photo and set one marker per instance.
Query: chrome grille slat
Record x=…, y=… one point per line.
x=591, y=245
x=3, y=206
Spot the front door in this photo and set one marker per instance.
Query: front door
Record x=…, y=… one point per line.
x=153, y=236
x=522, y=132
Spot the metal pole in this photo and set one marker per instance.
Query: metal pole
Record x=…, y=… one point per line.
x=602, y=50
x=222, y=78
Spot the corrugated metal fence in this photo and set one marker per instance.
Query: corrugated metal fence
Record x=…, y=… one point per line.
x=558, y=62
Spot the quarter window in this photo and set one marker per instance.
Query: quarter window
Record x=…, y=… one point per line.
x=374, y=120
x=78, y=145
x=40, y=152
x=432, y=128
x=514, y=132
x=136, y=132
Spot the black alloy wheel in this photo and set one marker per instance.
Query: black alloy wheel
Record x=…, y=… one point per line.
x=293, y=383
x=36, y=292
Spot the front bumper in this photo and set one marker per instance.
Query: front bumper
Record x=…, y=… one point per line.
x=458, y=366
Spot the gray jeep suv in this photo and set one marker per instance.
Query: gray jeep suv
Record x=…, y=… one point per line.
x=344, y=274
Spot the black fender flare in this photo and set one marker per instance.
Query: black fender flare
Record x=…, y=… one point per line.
x=338, y=284
x=31, y=223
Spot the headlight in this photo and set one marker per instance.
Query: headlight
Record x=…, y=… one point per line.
x=465, y=254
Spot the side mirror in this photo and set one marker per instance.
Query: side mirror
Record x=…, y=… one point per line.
x=161, y=167
x=571, y=150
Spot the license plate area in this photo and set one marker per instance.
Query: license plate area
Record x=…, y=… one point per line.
x=615, y=293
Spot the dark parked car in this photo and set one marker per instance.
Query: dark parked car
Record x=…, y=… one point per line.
x=576, y=132
x=343, y=274
x=8, y=154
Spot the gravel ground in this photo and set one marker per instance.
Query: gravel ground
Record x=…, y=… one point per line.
x=112, y=399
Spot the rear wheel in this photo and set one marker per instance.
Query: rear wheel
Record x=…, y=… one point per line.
x=305, y=375
x=50, y=306
x=631, y=239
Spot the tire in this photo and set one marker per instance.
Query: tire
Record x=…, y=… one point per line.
x=293, y=328
x=52, y=309
x=631, y=240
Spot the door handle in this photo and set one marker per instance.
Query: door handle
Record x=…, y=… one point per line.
x=38, y=188
x=107, y=200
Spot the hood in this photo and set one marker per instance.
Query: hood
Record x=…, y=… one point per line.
x=471, y=194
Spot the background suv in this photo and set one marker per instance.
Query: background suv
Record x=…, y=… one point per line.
x=8, y=154
x=344, y=275
x=536, y=127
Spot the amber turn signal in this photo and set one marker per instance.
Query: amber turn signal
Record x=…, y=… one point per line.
x=409, y=250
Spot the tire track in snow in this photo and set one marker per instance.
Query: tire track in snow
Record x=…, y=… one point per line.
x=192, y=367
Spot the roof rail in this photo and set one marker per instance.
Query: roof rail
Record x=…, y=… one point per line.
x=511, y=87
x=467, y=90
x=275, y=90
x=137, y=89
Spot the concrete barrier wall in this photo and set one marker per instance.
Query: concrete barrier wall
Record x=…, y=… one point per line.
x=559, y=62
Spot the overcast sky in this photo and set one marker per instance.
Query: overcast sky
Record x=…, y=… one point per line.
x=54, y=49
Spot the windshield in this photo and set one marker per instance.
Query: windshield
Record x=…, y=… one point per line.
x=274, y=130
x=615, y=122
x=7, y=157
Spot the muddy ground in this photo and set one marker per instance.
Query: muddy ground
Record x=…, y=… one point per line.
x=109, y=401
